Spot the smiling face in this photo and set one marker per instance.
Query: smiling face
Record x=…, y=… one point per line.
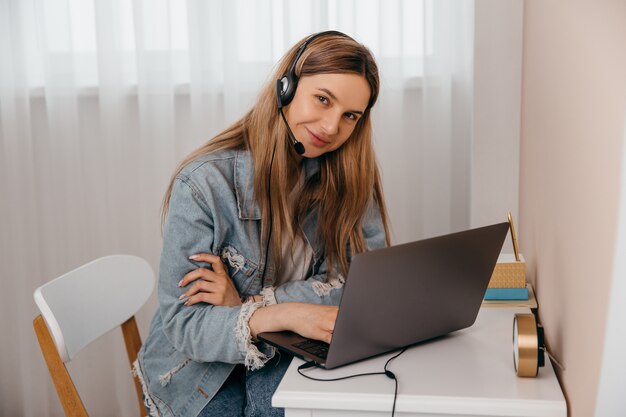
x=326, y=109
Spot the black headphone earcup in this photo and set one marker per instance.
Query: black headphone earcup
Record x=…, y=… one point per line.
x=288, y=85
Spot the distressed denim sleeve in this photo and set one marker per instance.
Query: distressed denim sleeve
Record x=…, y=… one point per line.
x=326, y=286
x=203, y=332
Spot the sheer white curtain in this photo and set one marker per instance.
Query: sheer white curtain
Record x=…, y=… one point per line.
x=99, y=100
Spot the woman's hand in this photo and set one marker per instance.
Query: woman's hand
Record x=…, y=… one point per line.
x=210, y=286
x=314, y=321
x=309, y=320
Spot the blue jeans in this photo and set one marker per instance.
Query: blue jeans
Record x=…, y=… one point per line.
x=249, y=393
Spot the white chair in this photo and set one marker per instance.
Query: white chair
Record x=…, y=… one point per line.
x=80, y=306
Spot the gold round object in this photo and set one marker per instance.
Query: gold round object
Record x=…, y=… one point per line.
x=526, y=345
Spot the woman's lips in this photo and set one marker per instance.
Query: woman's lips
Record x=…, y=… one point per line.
x=316, y=140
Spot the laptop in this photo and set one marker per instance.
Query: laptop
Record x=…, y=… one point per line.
x=403, y=295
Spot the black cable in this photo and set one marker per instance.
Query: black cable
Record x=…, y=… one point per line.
x=269, y=232
x=386, y=372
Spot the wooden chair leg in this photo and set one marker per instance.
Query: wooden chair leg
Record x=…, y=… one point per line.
x=132, y=339
x=70, y=400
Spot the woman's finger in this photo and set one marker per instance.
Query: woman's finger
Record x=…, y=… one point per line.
x=200, y=273
x=211, y=294
x=198, y=286
x=203, y=297
x=215, y=261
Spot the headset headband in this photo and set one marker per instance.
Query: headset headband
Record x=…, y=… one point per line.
x=286, y=85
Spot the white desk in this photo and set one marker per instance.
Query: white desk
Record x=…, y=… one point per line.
x=467, y=373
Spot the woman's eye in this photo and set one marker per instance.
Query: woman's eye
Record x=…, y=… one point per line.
x=322, y=99
x=350, y=116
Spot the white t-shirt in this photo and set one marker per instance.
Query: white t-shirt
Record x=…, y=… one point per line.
x=296, y=262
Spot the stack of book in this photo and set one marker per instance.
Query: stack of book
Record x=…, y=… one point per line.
x=508, y=281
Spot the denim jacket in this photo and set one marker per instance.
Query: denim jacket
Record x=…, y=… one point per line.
x=191, y=350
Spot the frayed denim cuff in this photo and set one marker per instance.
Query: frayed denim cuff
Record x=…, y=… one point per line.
x=254, y=358
x=268, y=296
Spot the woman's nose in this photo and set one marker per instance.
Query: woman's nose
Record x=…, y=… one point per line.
x=330, y=124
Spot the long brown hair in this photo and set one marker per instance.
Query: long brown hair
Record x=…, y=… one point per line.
x=349, y=176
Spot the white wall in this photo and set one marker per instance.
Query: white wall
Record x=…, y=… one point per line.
x=497, y=108
x=611, y=400
x=573, y=106
x=548, y=136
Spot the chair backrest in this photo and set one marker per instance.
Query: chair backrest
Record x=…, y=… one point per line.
x=81, y=305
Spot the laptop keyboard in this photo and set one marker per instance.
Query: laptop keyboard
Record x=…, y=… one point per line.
x=314, y=347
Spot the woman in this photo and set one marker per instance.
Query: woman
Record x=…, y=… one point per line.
x=260, y=225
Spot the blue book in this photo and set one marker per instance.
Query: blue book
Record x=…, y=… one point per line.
x=506, y=294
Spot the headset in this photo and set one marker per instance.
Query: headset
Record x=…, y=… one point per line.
x=287, y=84
x=285, y=92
